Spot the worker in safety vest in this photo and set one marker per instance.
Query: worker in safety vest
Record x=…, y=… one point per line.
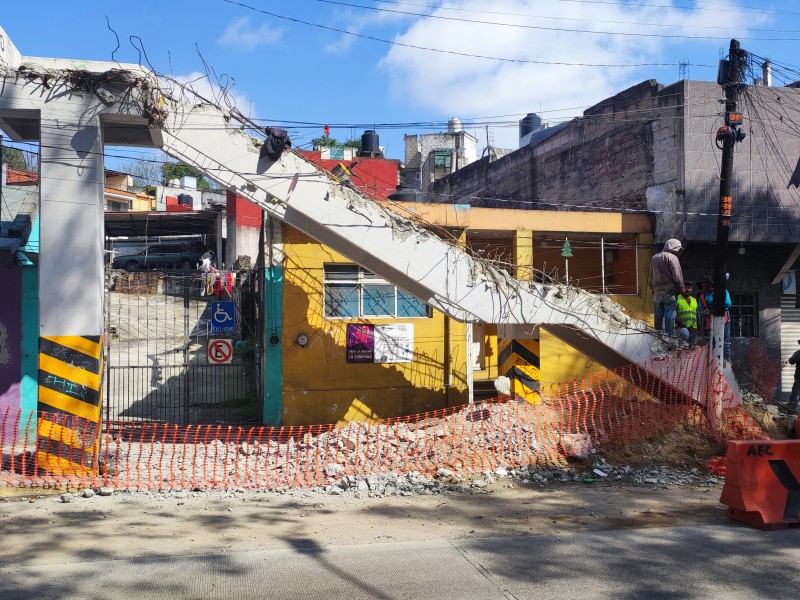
x=686, y=317
x=706, y=305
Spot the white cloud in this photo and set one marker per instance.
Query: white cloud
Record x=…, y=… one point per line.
x=198, y=83
x=242, y=34
x=451, y=85
x=363, y=23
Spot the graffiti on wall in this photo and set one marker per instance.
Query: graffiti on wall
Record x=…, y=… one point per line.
x=10, y=340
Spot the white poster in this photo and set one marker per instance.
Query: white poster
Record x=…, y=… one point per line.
x=394, y=343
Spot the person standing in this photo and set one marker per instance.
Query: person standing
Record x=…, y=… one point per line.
x=666, y=281
x=794, y=359
x=706, y=300
x=686, y=317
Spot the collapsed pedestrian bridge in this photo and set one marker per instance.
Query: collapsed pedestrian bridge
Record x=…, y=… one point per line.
x=74, y=108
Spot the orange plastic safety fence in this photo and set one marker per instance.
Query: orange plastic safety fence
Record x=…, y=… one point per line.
x=603, y=411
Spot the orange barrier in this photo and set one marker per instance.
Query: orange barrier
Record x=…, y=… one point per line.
x=607, y=410
x=761, y=486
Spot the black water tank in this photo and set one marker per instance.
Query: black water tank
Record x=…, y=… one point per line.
x=531, y=122
x=369, y=143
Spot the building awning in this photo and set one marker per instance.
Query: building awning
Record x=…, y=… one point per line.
x=145, y=224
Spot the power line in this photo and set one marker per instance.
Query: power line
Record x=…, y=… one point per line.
x=723, y=8
x=545, y=28
x=450, y=52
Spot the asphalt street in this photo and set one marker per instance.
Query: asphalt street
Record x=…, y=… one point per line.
x=730, y=561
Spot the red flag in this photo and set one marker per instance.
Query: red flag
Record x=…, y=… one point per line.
x=327, y=130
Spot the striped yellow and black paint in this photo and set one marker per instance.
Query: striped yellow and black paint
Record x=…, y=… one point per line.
x=70, y=396
x=518, y=359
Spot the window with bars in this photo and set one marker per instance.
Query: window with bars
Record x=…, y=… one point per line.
x=744, y=315
x=353, y=292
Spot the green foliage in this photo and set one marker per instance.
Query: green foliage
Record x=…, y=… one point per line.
x=247, y=352
x=176, y=170
x=14, y=158
x=324, y=142
x=329, y=142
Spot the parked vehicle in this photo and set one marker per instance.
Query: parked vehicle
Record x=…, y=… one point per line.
x=159, y=256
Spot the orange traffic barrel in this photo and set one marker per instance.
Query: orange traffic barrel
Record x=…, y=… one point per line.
x=762, y=483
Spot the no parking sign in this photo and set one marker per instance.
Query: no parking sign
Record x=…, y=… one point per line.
x=220, y=352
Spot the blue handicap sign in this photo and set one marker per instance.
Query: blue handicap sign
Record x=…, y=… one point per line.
x=223, y=317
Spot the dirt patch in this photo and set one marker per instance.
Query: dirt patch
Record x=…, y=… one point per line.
x=779, y=427
x=684, y=447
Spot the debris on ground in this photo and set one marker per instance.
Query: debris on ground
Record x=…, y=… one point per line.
x=776, y=422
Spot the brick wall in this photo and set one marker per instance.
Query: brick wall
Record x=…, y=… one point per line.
x=765, y=197
x=604, y=160
x=653, y=147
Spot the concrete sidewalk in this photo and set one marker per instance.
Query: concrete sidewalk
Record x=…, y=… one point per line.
x=730, y=562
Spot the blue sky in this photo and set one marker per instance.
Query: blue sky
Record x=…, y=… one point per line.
x=296, y=65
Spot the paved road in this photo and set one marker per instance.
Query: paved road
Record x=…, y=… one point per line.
x=721, y=562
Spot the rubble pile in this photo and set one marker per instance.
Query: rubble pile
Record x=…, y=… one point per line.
x=137, y=283
x=366, y=456
x=445, y=481
x=433, y=453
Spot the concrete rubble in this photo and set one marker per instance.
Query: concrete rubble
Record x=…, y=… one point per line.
x=447, y=482
x=468, y=449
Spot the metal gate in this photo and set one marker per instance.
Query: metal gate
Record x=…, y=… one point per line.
x=159, y=366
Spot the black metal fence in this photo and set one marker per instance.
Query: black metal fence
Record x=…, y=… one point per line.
x=166, y=360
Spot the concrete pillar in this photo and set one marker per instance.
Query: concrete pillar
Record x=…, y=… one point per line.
x=71, y=278
x=518, y=345
x=244, y=228
x=523, y=255
x=273, y=321
x=71, y=291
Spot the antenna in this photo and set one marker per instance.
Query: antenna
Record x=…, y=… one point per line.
x=683, y=69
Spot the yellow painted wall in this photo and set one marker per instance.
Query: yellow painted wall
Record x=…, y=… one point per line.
x=319, y=386
x=490, y=351
x=561, y=362
x=142, y=202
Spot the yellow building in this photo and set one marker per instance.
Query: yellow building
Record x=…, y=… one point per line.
x=120, y=196
x=356, y=347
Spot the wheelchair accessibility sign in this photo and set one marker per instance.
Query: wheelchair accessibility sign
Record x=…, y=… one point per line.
x=223, y=317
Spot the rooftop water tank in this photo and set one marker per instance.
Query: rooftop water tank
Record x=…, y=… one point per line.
x=188, y=182
x=530, y=123
x=369, y=143
x=454, y=125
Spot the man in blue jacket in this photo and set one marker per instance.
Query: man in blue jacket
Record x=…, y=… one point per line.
x=705, y=303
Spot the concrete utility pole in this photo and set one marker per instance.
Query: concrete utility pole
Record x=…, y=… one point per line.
x=730, y=77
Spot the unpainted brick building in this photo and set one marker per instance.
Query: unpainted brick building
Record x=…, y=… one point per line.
x=652, y=148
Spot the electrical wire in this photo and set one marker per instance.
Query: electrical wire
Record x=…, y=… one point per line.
x=724, y=7
x=449, y=52
x=644, y=34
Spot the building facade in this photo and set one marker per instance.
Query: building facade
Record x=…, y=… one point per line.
x=652, y=149
x=343, y=344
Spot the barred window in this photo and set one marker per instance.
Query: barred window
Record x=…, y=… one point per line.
x=353, y=292
x=744, y=315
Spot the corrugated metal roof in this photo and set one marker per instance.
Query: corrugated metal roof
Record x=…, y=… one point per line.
x=540, y=136
x=141, y=224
